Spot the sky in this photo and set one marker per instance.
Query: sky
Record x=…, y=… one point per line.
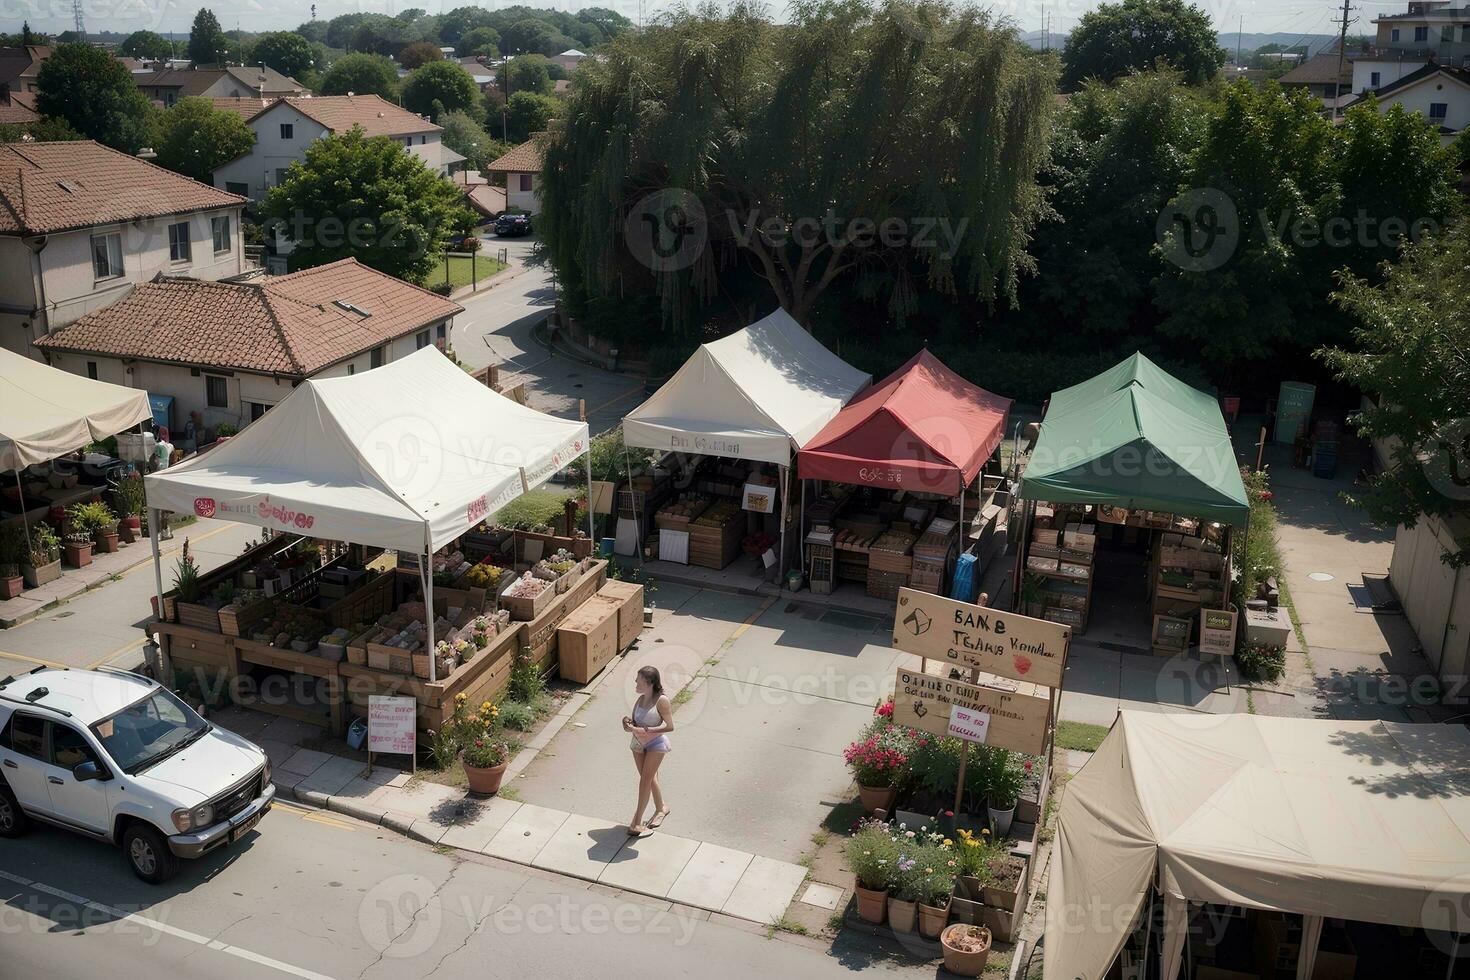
x=1295, y=17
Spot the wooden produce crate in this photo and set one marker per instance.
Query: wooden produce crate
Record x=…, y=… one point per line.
x=198, y=616
x=371, y=597
x=241, y=621
x=716, y=545
x=629, y=598
x=551, y=543
x=526, y=608
x=892, y=552
x=885, y=585
x=539, y=640
x=587, y=640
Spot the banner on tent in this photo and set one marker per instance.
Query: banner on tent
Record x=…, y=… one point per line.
x=1017, y=719
x=979, y=637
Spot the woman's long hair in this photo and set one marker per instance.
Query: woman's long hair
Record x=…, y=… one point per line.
x=650, y=674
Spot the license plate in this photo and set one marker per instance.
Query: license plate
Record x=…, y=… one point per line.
x=244, y=828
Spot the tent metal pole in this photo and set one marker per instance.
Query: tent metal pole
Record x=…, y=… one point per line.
x=153, y=513
x=801, y=521
x=591, y=535
x=24, y=520
x=785, y=501
x=426, y=577
x=637, y=512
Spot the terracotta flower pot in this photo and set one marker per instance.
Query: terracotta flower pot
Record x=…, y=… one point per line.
x=932, y=920
x=485, y=781
x=106, y=542
x=872, y=905
x=965, y=962
x=875, y=798
x=903, y=916
x=78, y=553
x=11, y=586
x=127, y=533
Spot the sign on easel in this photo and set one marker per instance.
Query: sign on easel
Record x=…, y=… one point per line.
x=392, y=727
x=1217, y=631
x=1018, y=719
x=981, y=637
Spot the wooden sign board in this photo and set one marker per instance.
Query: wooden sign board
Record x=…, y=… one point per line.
x=1170, y=636
x=1217, y=631
x=391, y=724
x=602, y=497
x=1018, y=719
x=997, y=642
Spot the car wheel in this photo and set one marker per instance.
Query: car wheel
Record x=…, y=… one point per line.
x=13, y=820
x=148, y=854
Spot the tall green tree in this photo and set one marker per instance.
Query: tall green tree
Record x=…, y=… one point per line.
x=891, y=149
x=442, y=81
x=286, y=51
x=147, y=45
x=529, y=37
x=418, y=54
x=208, y=44
x=1136, y=35
x=94, y=93
x=195, y=138
x=1412, y=355
x=479, y=40
x=362, y=74
x=528, y=73
x=461, y=20
x=465, y=136
x=530, y=112
x=366, y=198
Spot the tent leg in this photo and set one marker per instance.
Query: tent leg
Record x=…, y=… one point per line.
x=1306, y=957
x=785, y=500
x=801, y=523
x=426, y=577
x=153, y=515
x=637, y=513
x=1176, y=927
x=24, y=520
x=591, y=535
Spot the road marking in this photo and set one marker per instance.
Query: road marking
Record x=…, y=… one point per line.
x=167, y=930
x=315, y=816
x=32, y=660
x=119, y=652
x=614, y=400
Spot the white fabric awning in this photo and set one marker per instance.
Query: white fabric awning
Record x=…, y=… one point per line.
x=45, y=411
x=1358, y=820
x=411, y=454
x=759, y=394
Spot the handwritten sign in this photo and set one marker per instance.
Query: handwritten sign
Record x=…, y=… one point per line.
x=759, y=498
x=1217, y=631
x=391, y=724
x=972, y=726
x=1018, y=718
x=997, y=642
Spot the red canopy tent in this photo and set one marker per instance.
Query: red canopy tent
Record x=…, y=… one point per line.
x=921, y=428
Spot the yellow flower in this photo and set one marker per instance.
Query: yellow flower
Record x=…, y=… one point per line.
x=948, y=842
x=985, y=831
x=461, y=698
x=486, y=706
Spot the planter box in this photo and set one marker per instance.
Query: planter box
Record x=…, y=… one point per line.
x=105, y=543
x=629, y=597
x=11, y=587
x=587, y=639
x=38, y=575
x=77, y=555
x=527, y=609
x=395, y=660
x=237, y=620
x=199, y=616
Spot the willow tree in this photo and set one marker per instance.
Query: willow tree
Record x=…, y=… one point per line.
x=891, y=149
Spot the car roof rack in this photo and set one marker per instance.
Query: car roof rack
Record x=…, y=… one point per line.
x=8, y=678
x=34, y=704
x=126, y=673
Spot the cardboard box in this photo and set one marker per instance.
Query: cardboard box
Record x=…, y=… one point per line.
x=587, y=640
x=629, y=599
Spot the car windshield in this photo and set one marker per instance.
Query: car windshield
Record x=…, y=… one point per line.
x=148, y=730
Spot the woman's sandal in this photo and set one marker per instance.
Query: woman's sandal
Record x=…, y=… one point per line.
x=639, y=831
x=658, y=818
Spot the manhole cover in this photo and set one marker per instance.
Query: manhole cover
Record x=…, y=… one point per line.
x=1320, y=577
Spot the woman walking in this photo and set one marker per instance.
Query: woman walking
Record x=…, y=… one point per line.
x=650, y=723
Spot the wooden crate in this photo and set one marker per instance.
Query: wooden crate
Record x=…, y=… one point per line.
x=714, y=547
x=395, y=660
x=526, y=609
x=629, y=597
x=237, y=621
x=538, y=641
x=587, y=640
x=198, y=616
x=885, y=585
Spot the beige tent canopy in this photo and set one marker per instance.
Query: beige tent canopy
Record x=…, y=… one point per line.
x=1367, y=821
x=45, y=412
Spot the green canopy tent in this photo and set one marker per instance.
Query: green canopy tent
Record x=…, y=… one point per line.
x=1137, y=437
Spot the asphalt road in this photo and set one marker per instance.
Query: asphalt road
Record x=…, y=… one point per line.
x=314, y=895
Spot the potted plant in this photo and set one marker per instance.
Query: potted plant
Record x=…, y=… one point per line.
x=77, y=539
x=935, y=885
x=103, y=523
x=1004, y=880
x=966, y=948
x=972, y=859
x=13, y=552
x=870, y=857
x=1005, y=777
x=187, y=591
x=879, y=762
x=127, y=493
x=1031, y=594
x=43, y=560
x=903, y=897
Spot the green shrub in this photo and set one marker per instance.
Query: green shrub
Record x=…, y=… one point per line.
x=518, y=715
x=526, y=684
x=1260, y=662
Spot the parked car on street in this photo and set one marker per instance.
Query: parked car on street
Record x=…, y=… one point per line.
x=117, y=757
x=511, y=225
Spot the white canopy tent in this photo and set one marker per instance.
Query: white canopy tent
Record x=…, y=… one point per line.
x=1368, y=821
x=407, y=456
x=45, y=412
x=759, y=394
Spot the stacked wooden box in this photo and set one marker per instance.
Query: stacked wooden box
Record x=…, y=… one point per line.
x=933, y=554
x=628, y=598
x=890, y=560
x=587, y=640
x=714, y=535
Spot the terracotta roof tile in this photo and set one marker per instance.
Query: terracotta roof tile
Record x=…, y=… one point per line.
x=376, y=115
x=195, y=81
x=50, y=187
x=244, y=108
x=524, y=159
x=14, y=112
x=487, y=199
x=1320, y=70
x=288, y=325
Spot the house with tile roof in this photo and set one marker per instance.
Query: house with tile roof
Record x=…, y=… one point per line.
x=1322, y=76
x=168, y=85
x=231, y=350
x=522, y=170
x=20, y=67
x=16, y=111
x=80, y=223
x=1439, y=93
x=284, y=128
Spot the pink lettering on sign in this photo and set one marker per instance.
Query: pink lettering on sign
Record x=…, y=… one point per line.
x=284, y=515
x=204, y=506
x=477, y=509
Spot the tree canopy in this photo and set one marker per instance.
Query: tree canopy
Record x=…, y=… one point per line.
x=530, y=37
x=286, y=51
x=361, y=74
x=194, y=138
x=1136, y=35
x=94, y=93
x=530, y=112
x=479, y=40
x=418, y=54
x=796, y=142
x=1412, y=356
x=208, y=44
x=368, y=198
x=444, y=82
x=464, y=135
x=146, y=45
x=528, y=73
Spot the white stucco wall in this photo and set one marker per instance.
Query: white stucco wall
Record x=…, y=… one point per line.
x=1436, y=88
x=528, y=201
x=1388, y=72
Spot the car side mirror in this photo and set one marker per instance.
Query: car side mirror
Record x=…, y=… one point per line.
x=84, y=771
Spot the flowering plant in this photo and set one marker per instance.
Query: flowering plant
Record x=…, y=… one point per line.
x=880, y=759
x=871, y=855
x=884, y=709
x=973, y=853
x=487, y=752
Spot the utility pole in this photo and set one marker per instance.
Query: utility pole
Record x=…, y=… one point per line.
x=77, y=21
x=1341, y=54
x=1239, y=32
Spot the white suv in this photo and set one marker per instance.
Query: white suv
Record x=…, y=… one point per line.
x=117, y=757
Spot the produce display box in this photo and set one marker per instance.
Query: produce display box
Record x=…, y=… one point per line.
x=885, y=585
x=525, y=609
x=587, y=640
x=629, y=599
x=714, y=536
x=237, y=620
x=538, y=642
x=892, y=551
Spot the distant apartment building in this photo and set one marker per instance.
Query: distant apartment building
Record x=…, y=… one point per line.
x=1430, y=30
x=20, y=67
